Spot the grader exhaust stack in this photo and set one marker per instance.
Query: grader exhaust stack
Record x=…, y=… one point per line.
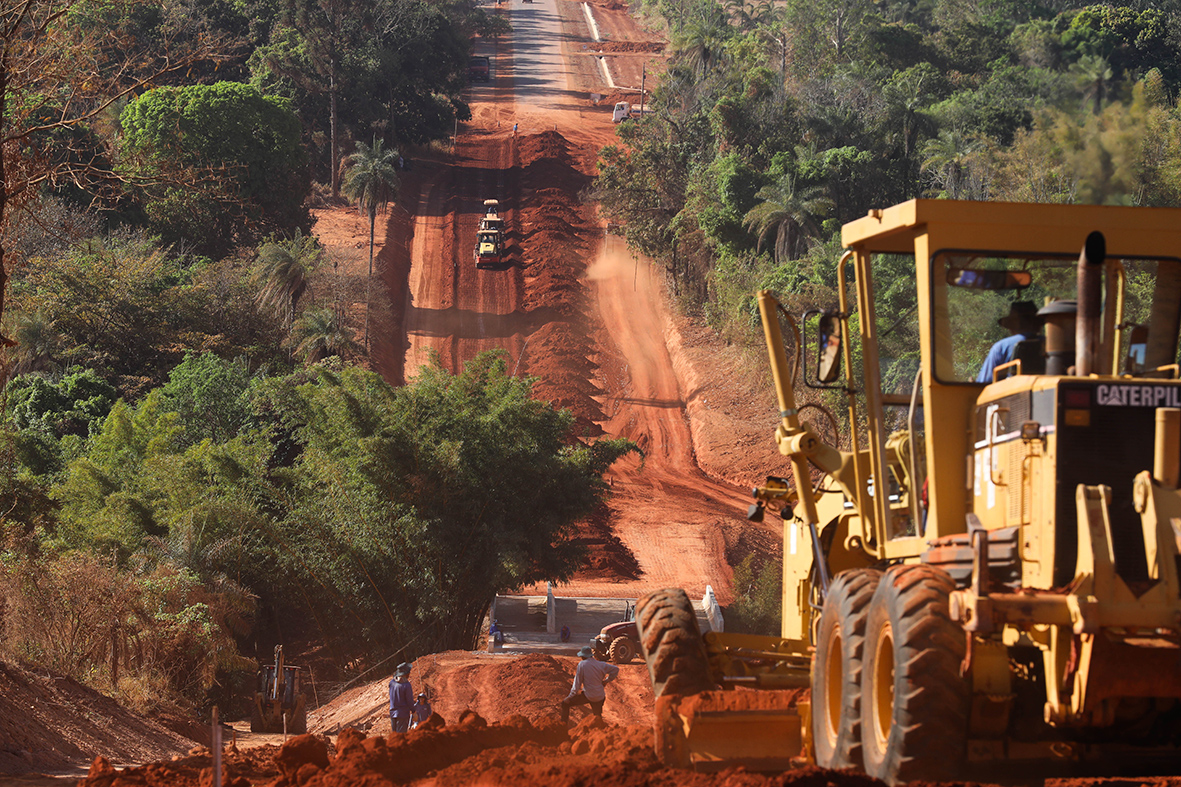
x=987, y=569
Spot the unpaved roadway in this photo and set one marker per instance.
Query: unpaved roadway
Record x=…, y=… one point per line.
x=601, y=350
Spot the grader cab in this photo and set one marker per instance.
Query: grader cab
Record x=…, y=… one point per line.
x=985, y=566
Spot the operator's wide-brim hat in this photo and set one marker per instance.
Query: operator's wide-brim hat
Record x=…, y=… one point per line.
x=1019, y=311
x=586, y=652
x=402, y=669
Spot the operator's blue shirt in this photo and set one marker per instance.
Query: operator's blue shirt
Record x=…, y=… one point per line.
x=401, y=699
x=1001, y=353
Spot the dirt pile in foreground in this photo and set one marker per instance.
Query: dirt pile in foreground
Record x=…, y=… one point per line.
x=471, y=751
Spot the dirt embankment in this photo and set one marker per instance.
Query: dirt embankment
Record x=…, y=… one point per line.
x=496, y=687
x=51, y=723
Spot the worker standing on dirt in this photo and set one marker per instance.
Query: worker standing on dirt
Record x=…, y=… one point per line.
x=590, y=679
x=401, y=698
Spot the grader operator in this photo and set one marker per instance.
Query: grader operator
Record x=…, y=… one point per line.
x=979, y=571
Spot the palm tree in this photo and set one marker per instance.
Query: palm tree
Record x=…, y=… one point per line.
x=1093, y=75
x=319, y=333
x=36, y=342
x=743, y=14
x=773, y=29
x=371, y=180
x=284, y=267
x=788, y=212
x=947, y=158
x=701, y=43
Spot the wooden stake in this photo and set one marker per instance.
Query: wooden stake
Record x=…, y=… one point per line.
x=216, y=749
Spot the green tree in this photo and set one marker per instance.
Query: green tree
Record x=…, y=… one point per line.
x=1093, y=76
x=209, y=395
x=320, y=333
x=37, y=343
x=757, y=606
x=328, y=30
x=67, y=64
x=948, y=158
x=372, y=180
x=71, y=405
x=115, y=302
x=244, y=150
x=701, y=44
x=790, y=213
x=419, y=504
x=283, y=272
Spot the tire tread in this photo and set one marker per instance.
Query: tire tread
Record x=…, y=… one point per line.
x=671, y=644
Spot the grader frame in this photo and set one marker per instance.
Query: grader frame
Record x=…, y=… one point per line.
x=1010, y=589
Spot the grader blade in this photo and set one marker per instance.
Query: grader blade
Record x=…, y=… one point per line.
x=714, y=730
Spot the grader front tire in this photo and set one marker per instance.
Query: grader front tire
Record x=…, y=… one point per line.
x=914, y=703
x=671, y=644
x=837, y=669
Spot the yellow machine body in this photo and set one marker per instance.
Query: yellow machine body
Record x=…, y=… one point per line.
x=1034, y=517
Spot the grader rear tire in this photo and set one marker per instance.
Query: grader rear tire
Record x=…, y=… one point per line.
x=836, y=669
x=671, y=644
x=914, y=703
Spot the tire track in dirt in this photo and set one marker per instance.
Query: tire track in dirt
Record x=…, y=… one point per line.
x=430, y=286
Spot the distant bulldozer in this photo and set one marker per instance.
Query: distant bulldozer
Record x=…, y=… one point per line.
x=279, y=705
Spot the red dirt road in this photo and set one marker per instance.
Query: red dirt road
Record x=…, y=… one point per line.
x=573, y=310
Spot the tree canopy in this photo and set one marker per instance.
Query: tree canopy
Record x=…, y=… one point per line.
x=388, y=516
x=776, y=123
x=244, y=146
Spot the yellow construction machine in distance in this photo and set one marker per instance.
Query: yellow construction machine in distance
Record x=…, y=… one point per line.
x=986, y=568
x=279, y=704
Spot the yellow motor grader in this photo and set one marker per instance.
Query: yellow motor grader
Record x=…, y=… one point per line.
x=986, y=568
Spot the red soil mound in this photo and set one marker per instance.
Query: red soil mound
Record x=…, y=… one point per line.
x=628, y=46
x=400, y=758
x=469, y=752
x=556, y=235
x=239, y=769
x=50, y=722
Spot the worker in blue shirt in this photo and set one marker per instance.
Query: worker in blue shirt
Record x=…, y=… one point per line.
x=422, y=710
x=1022, y=323
x=401, y=698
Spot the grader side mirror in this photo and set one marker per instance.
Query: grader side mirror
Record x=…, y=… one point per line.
x=828, y=365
